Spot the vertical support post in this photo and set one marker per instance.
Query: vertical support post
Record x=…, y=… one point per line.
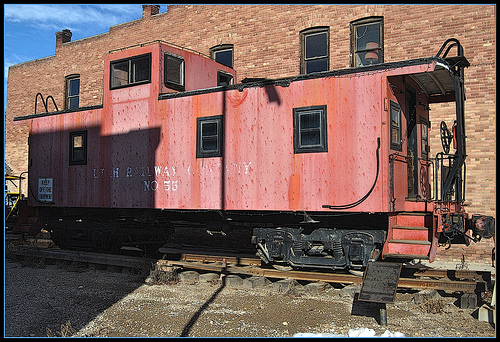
x=383, y=314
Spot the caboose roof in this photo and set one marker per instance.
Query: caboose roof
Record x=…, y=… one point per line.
x=439, y=84
x=437, y=81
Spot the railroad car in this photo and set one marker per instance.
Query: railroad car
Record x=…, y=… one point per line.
x=329, y=169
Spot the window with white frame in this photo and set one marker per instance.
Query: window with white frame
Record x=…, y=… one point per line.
x=174, y=71
x=131, y=71
x=310, y=129
x=209, y=137
x=367, y=41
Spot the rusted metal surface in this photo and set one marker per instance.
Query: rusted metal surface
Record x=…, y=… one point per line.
x=228, y=260
x=261, y=136
x=130, y=163
x=234, y=265
x=408, y=283
x=81, y=256
x=142, y=150
x=454, y=274
x=441, y=284
x=143, y=143
x=270, y=273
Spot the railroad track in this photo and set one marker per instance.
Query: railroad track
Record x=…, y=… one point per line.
x=462, y=281
x=465, y=281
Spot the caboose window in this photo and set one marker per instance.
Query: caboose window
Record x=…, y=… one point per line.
x=395, y=126
x=223, y=78
x=425, y=137
x=78, y=148
x=223, y=54
x=174, y=72
x=314, y=44
x=131, y=71
x=209, y=137
x=367, y=41
x=310, y=129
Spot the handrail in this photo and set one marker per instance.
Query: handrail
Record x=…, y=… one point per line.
x=454, y=176
x=45, y=102
x=428, y=163
x=13, y=207
x=456, y=43
x=19, y=194
x=459, y=182
x=362, y=199
x=396, y=157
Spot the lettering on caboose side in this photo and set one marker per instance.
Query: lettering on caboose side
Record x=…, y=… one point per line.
x=152, y=178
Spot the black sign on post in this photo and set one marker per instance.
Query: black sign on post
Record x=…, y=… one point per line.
x=380, y=282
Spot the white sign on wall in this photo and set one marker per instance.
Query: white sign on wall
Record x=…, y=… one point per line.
x=45, y=189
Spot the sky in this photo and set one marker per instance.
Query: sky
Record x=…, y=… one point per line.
x=30, y=29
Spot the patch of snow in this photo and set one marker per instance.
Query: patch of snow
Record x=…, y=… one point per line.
x=359, y=332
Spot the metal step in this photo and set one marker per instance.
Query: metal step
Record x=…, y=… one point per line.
x=411, y=242
x=417, y=248
x=410, y=233
x=414, y=219
x=405, y=256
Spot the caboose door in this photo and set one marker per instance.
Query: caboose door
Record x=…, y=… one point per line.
x=412, y=146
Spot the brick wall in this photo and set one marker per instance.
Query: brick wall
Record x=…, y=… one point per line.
x=481, y=252
x=266, y=43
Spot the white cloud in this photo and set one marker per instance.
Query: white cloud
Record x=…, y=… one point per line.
x=29, y=28
x=62, y=16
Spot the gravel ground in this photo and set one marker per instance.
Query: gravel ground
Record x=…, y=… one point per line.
x=67, y=300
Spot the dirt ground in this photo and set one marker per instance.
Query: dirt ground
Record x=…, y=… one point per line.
x=67, y=300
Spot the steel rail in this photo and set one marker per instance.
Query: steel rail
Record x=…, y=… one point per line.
x=408, y=283
x=80, y=256
x=251, y=266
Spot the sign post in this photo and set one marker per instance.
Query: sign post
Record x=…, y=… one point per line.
x=380, y=283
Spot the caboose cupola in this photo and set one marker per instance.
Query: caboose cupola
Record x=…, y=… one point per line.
x=157, y=68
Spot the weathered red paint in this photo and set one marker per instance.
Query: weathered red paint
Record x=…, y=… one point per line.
x=142, y=150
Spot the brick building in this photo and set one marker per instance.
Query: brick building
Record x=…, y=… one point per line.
x=266, y=41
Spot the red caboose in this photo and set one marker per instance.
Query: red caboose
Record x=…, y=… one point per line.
x=329, y=169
